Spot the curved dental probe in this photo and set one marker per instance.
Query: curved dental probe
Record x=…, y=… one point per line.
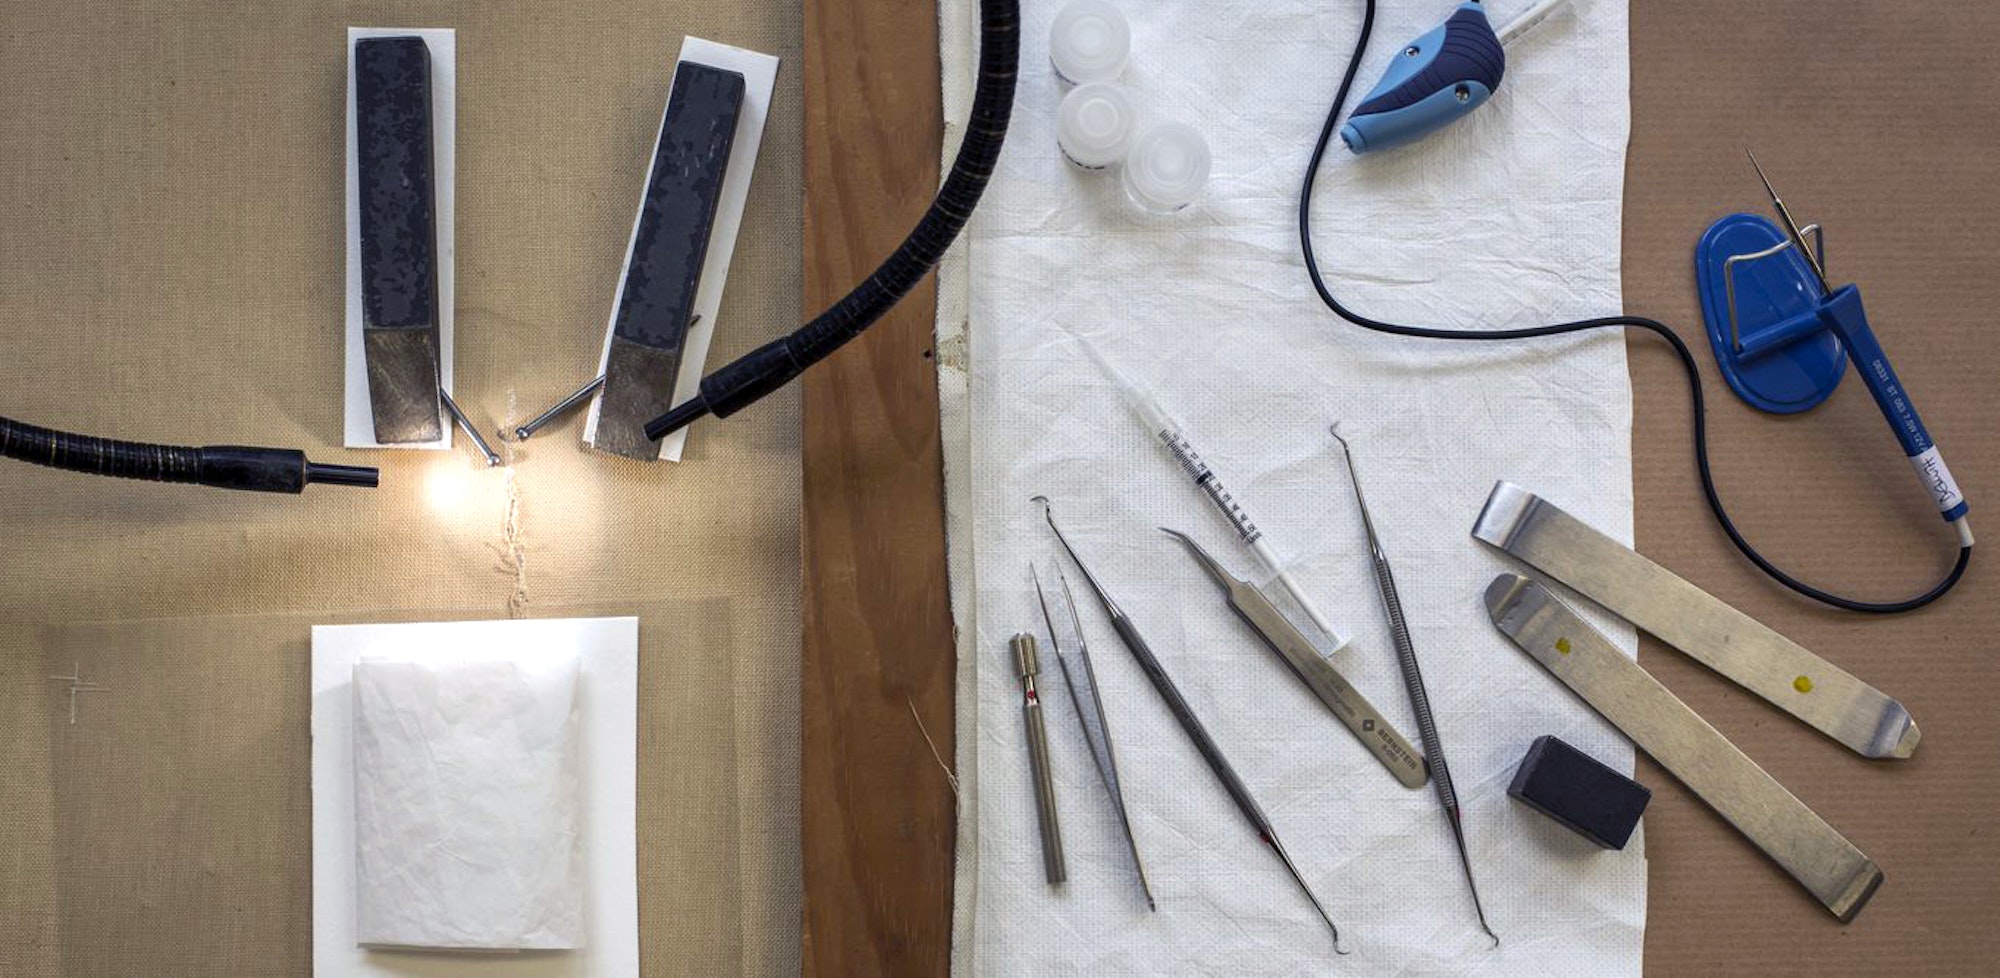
x=1191, y=724
x=1413, y=682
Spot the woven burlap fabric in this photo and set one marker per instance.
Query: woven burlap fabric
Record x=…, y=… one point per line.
x=171, y=268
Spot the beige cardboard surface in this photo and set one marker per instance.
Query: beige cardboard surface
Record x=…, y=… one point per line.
x=1877, y=120
x=171, y=269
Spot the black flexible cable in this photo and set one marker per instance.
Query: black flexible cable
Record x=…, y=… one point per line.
x=1660, y=329
x=769, y=367
x=220, y=466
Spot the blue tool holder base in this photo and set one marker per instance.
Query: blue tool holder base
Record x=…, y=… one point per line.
x=1787, y=361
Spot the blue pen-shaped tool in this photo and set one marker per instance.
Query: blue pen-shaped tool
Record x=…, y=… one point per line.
x=1439, y=78
x=1840, y=311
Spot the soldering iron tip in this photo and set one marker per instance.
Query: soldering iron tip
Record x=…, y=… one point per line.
x=1761, y=178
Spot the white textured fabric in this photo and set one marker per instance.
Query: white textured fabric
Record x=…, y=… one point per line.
x=466, y=805
x=1511, y=218
x=601, y=657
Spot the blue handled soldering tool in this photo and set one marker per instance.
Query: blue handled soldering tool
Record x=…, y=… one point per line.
x=1839, y=312
x=1438, y=78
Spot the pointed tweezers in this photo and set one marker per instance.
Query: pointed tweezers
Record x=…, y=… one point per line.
x=1090, y=713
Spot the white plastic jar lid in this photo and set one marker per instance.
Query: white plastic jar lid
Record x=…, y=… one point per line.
x=1166, y=167
x=1094, y=124
x=1089, y=42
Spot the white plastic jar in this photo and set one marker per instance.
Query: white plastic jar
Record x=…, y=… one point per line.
x=1166, y=167
x=1088, y=42
x=1094, y=125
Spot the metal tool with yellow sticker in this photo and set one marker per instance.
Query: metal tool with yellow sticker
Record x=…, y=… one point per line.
x=1832, y=869
x=1820, y=694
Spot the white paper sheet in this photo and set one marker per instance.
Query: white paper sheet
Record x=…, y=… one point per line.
x=467, y=801
x=760, y=76
x=1510, y=218
x=359, y=418
x=607, y=649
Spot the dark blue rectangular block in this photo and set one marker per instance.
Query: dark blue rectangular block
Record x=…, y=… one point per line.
x=669, y=247
x=1579, y=791
x=399, y=248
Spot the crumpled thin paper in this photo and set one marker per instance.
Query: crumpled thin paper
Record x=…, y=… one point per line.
x=1510, y=218
x=467, y=805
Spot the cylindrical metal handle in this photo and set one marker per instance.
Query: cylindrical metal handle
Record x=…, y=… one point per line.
x=1045, y=794
x=1028, y=662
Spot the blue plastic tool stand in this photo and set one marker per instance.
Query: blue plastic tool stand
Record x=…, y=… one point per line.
x=1787, y=361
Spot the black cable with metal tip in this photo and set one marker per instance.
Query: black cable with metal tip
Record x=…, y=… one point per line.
x=220, y=466
x=740, y=383
x=1656, y=327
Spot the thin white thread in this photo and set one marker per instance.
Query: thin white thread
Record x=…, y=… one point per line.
x=77, y=684
x=949, y=777
x=513, y=552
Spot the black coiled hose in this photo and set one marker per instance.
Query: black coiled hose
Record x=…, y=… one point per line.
x=769, y=367
x=221, y=466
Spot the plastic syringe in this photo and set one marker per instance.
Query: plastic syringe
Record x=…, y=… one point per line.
x=1176, y=441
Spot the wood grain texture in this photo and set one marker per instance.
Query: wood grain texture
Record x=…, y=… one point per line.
x=878, y=815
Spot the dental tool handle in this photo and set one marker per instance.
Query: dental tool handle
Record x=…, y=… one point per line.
x=1843, y=314
x=1028, y=663
x=1212, y=754
x=1191, y=724
x=1053, y=864
x=1420, y=704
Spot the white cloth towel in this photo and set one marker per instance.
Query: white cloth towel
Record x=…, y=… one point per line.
x=467, y=826
x=1510, y=218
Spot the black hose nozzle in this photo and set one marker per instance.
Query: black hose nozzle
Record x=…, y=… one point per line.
x=774, y=364
x=221, y=466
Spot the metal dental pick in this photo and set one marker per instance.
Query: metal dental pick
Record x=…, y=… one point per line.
x=1190, y=724
x=1082, y=683
x=1413, y=681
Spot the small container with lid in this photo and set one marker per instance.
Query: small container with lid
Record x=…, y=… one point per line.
x=1166, y=167
x=1094, y=125
x=1089, y=42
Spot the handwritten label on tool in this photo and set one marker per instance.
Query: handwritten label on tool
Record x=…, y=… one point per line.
x=1931, y=469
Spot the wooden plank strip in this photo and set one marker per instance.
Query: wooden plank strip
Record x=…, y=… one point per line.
x=878, y=818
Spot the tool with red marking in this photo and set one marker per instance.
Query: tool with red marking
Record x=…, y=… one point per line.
x=1189, y=723
x=1413, y=681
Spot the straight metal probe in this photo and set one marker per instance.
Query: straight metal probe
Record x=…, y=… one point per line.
x=465, y=424
x=564, y=406
x=1191, y=724
x=1792, y=227
x=1413, y=682
x=568, y=404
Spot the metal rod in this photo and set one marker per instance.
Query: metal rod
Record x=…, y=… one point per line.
x=568, y=404
x=1792, y=227
x=465, y=423
x=1413, y=683
x=1191, y=724
x=564, y=406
